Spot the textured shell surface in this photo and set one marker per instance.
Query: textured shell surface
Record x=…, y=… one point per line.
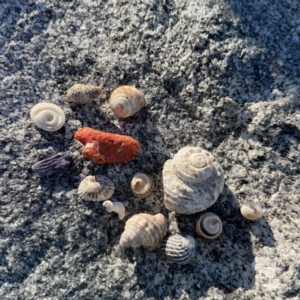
x=193, y=181
x=140, y=183
x=47, y=116
x=144, y=230
x=209, y=226
x=83, y=94
x=96, y=188
x=117, y=207
x=251, y=211
x=126, y=100
x=179, y=249
x=56, y=164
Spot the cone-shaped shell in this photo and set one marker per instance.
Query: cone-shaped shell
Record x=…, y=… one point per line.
x=251, y=211
x=144, y=230
x=83, y=94
x=209, y=227
x=126, y=100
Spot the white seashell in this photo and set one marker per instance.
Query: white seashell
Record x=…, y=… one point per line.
x=140, y=183
x=209, y=226
x=117, y=207
x=47, y=116
x=96, y=188
x=179, y=249
x=193, y=181
x=126, y=100
x=251, y=211
x=83, y=94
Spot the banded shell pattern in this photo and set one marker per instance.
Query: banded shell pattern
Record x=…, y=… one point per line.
x=209, y=226
x=251, y=211
x=117, y=207
x=140, y=183
x=83, y=94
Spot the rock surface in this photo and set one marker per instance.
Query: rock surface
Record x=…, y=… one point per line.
x=221, y=75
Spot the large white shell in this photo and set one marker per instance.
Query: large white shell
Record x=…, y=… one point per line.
x=96, y=188
x=117, y=207
x=83, y=94
x=209, y=226
x=47, y=116
x=126, y=100
x=251, y=211
x=140, y=183
x=193, y=181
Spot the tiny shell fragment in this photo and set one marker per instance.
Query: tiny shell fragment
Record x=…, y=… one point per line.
x=83, y=94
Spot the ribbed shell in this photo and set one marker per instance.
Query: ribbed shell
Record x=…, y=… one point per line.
x=179, y=249
x=144, y=230
x=83, y=94
x=56, y=164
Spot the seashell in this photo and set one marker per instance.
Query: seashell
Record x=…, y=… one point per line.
x=96, y=188
x=193, y=181
x=126, y=100
x=251, y=211
x=56, y=164
x=47, y=116
x=140, y=183
x=179, y=249
x=102, y=147
x=83, y=94
x=117, y=207
x=144, y=230
x=209, y=226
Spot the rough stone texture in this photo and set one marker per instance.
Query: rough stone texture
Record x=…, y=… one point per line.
x=222, y=75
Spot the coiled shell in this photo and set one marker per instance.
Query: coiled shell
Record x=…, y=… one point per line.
x=83, y=94
x=117, y=207
x=140, y=183
x=251, y=211
x=144, y=230
x=193, y=181
x=96, y=188
x=47, y=116
x=126, y=100
x=209, y=226
x=179, y=249
x=56, y=164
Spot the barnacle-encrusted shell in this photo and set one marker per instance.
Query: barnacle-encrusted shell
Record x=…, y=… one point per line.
x=179, y=249
x=140, y=183
x=209, y=226
x=117, y=207
x=126, y=100
x=144, y=230
x=251, y=211
x=193, y=181
x=47, y=116
x=83, y=94
x=96, y=188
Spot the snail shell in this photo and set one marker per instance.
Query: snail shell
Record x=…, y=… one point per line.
x=117, y=207
x=179, y=249
x=140, y=183
x=96, y=188
x=251, y=211
x=209, y=226
x=193, y=181
x=47, y=116
x=126, y=100
x=83, y=94
x=144, y=230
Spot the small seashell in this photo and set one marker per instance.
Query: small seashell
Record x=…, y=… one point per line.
x=251, y=211
x=179, y=249
x=47, y=116
x=126, y=100
x=83, y=94
x=209, y=226
x=144, y=230
x=117, y=207
x=140, y=183
x=56, y=164
x=96, y=188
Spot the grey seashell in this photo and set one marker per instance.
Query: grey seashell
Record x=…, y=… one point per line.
x=179, y=249
x=251, y=211
x=83, y=94
x=209, y=227
x=56, y=164
x=193, y=181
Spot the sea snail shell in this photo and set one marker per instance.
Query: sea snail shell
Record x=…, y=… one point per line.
x=193, y=181
x=251, y=211
x=47, y=116
x=144, y=230
x=117, y=207
x=209, y=226
x=83, y=94
x=126, y=100
x=140, y=183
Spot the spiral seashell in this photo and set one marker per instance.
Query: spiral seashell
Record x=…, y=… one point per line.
x=179, y=249
x=126, y=100
x=140, y=183
x=209, y=227
x=96, y=188
x=117, y=207
x=193, y=181
x=47, y=116
x=144, y=230
x=251, y=211
x=83, y=94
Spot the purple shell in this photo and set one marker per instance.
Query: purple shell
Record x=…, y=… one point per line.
x=58, y=163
